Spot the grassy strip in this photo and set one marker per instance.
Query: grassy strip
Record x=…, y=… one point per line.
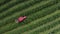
x=10, y=4
x=16, y=15
x=18, y=8
x=32, y=25
x=29, y=19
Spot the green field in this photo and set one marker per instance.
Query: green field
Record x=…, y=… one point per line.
x=43, y=16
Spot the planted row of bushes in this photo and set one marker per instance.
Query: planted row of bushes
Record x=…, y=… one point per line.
x=42, y=25
x=50, y=30
x=34, y=24
x=13, y=17
x=56, y=30
x=10, y=4
x=29, y=10
x=44, y=5
x=30, y=18
x=44, y=28
x=2, y=2
x=18, y=8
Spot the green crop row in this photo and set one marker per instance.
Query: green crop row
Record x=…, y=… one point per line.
x=18, y=8
x=34, y=24
x=10, y=19
x=10, y=4
x=35, y=18
x=2, y=2
x=59, y=7
x=43, y=32
x=30, y=18
x=56, y=30
x=25, y=4
x=29, y=10
x=44, y=28
x=37, y=8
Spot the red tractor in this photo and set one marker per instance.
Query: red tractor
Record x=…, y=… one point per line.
x=20, y=19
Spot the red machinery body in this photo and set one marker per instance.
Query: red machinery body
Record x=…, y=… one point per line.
x=20, y=19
